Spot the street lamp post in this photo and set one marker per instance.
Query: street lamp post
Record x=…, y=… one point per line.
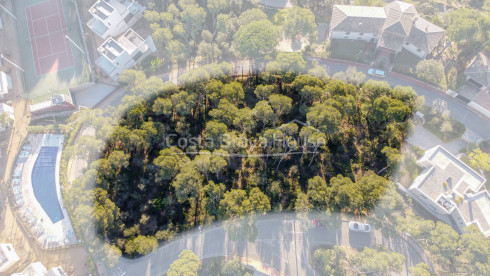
x=7, y=11
x=67, y=37
x=9, y=61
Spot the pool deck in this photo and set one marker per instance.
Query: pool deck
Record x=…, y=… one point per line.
x=49, y=235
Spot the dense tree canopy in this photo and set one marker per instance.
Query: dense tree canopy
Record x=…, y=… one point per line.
x=256, y=38
x=186, y=265
x=297, y=22
x=222, y=148
x=431, y=71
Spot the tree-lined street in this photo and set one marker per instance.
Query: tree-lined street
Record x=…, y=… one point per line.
x=282, y=242
x=459, y=110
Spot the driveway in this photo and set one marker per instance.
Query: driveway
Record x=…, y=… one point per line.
x=92, y=94
x=425, y=139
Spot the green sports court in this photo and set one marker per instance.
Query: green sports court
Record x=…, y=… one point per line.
x=49, y=36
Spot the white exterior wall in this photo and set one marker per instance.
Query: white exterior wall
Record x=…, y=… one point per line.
x=413, y=49
x=430, y=205
x=480, y=109
x=115, y=22
x=125, y=60
x=118, y=26
x=10, y=112
x=8, y=252
x=458, y=218
x=353, y=35
x=8, y=109
x=5, y=84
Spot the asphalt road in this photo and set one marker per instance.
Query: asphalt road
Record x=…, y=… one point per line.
x=282, y=242
x=459, y=111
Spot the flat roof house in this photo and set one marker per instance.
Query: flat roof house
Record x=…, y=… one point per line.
x=114, y=17
x=5, y=84
x=38, y=269
x=6, y=113
x=123, y=53
x=8, y=257
x=393, y=27
x=452, y=191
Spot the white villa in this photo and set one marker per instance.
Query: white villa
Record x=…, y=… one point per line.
x=8, y=257
x=38, y=269
x=452, y=191
x=9, y=112
x=5, y=84
x=114, y=17
x=394, y=27
x=123, y=53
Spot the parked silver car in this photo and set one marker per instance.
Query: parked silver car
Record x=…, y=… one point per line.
x=376, y=72
x=359, y=226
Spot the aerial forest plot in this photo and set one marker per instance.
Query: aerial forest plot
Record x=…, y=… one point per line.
x=228, y=147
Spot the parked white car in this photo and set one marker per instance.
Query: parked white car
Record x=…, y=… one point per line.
x=359, y=226
x=376, y=72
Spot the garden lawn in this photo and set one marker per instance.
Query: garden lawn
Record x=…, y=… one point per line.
x=346, y=49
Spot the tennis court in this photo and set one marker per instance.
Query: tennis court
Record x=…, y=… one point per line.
x=47, y=28
x=48, y=31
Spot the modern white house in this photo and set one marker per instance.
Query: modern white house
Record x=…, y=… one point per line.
x=394, y=27
x=452, y=191
x=114, y=17
x=38, y=269
x=8, y=257
x=5, y=84
x=6, y=113
x=56, y=271
x=33, y=269
x=123, y=53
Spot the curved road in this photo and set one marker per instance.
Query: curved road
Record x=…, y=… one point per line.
x=459, y=110
x=282, y=243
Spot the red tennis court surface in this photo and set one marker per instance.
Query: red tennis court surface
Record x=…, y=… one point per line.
x=47, y=29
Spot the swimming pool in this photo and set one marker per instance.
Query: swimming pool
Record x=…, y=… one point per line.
x=44, y=183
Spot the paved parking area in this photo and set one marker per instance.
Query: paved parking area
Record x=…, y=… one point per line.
x=425, y=139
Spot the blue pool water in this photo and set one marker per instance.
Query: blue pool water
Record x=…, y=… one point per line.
x=44, y=183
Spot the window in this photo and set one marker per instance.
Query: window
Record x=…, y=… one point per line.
x=347, y=33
